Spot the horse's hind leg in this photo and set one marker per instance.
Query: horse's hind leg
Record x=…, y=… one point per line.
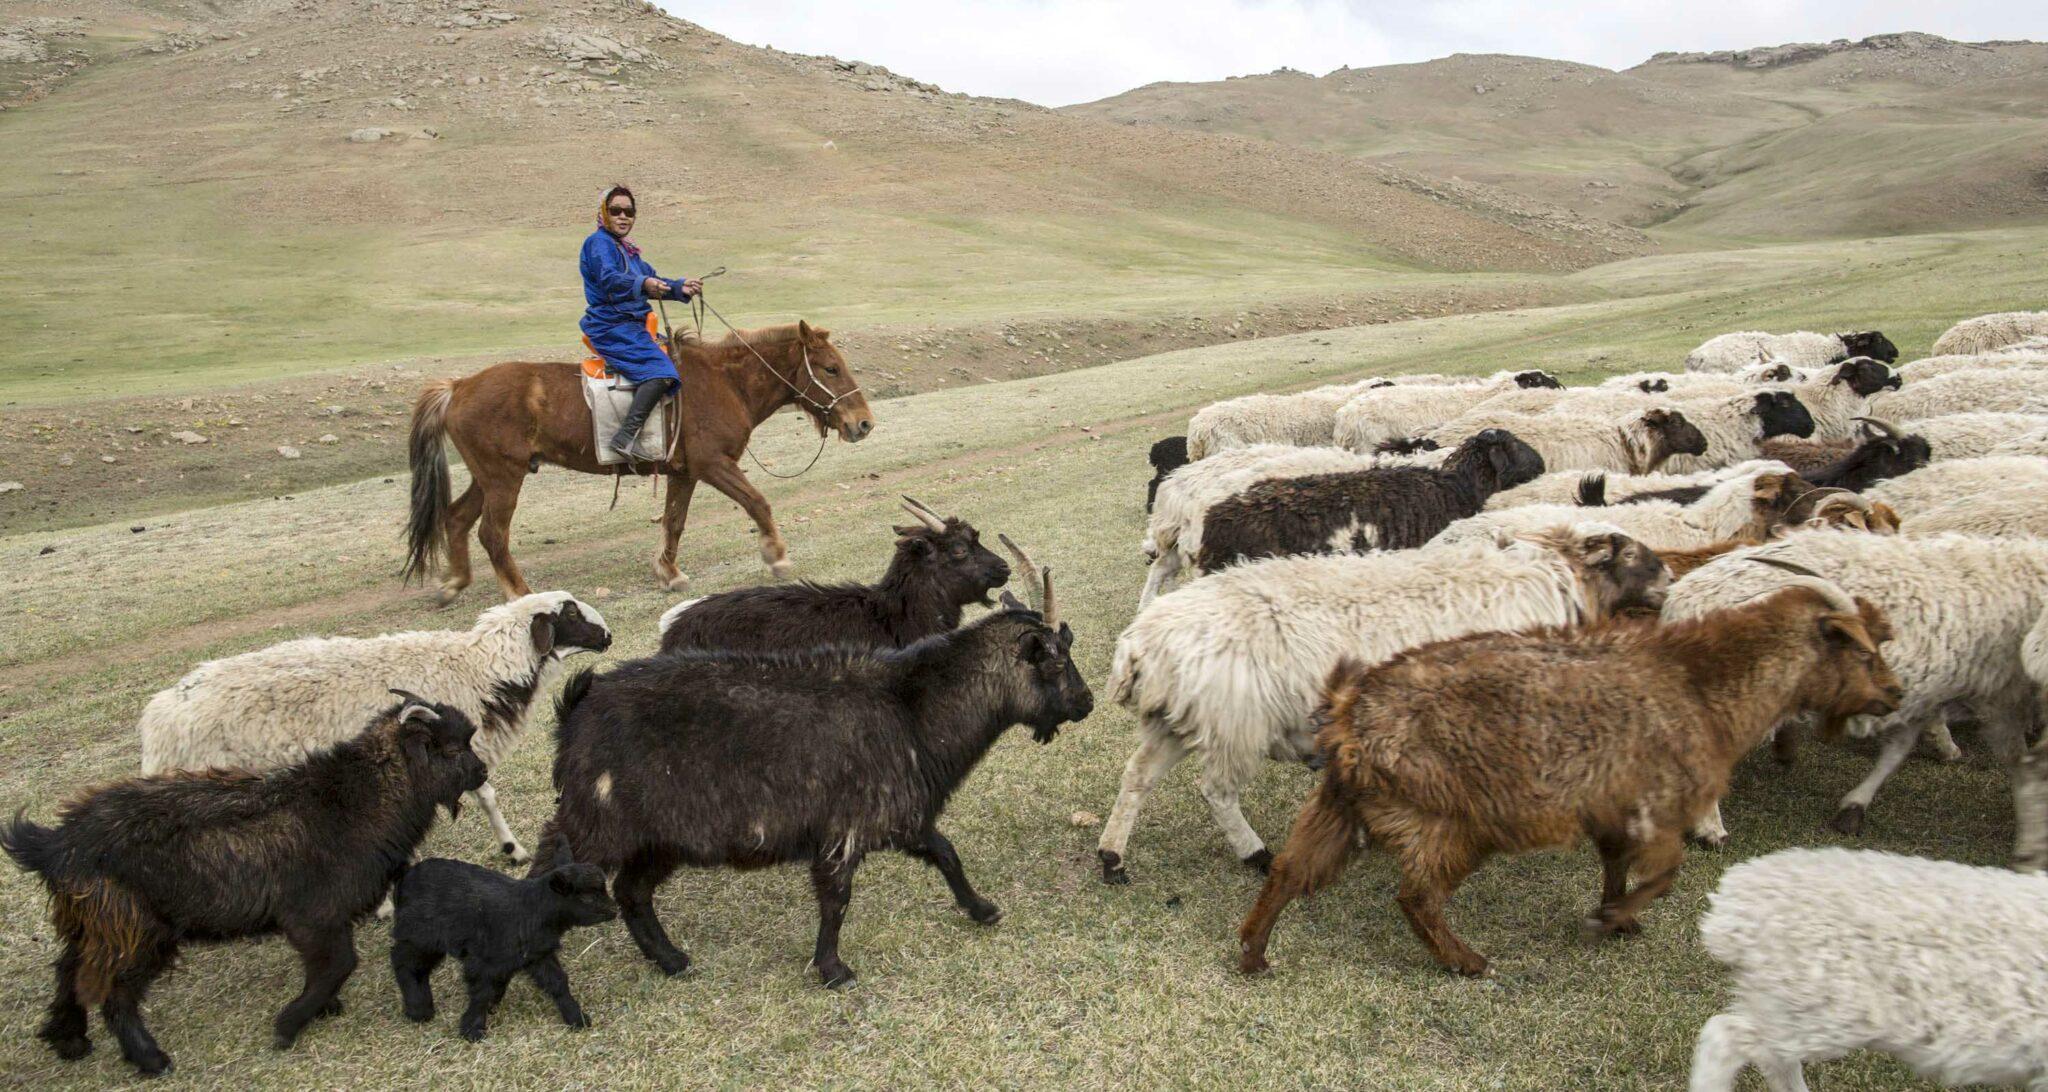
x=501, y=500
x=674, y=513
x=726, y=477
x=461, y=517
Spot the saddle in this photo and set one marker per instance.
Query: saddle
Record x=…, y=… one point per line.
x=610, y=398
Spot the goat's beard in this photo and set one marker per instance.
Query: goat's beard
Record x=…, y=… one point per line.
x=1044, y=731
x=454, y=806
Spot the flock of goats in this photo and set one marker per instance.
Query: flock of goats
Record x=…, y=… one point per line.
x=1499, y=615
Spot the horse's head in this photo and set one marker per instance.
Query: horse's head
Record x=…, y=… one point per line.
x=830, y=394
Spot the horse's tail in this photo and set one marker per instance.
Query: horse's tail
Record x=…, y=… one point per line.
x=425, y=533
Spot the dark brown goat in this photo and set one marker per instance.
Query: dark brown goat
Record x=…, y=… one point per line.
x=940, y=567
x=1884, y=451
x=1623, y=733
x=141, y=866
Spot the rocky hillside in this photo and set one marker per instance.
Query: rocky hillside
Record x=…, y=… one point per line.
x=1892, y=133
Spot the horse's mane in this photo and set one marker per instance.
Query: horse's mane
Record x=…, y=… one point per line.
x=731, y=346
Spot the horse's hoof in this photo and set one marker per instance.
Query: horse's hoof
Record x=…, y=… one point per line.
x=449, y=592
x=780, y=570
x=678, y=583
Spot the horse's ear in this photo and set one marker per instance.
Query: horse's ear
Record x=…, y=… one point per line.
x=803, y=330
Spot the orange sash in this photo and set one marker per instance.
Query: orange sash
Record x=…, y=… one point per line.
x=594, y=366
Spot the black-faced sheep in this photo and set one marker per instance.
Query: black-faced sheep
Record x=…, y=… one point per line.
x=137, y=868
x=1635, y=442
x=277, y=705
x=1166, y=456
x=1802, y=349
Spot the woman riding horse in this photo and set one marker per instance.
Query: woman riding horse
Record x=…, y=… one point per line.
x=617, y=283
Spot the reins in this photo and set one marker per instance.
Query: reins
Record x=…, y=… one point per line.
x=823, y=410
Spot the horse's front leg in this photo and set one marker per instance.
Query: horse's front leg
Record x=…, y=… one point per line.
x=674, y=512
x=725, y=476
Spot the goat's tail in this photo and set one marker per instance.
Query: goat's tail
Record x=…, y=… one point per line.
x=35, y=848
x=425, y=531
x=97, y=918
x=1593, y=490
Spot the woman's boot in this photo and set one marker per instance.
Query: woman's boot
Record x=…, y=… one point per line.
x=645, y=397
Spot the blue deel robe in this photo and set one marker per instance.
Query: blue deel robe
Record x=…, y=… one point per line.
x=615, y=320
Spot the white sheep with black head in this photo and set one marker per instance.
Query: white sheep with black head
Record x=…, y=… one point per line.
x=275, y=706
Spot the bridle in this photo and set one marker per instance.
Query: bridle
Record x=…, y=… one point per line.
x=822, y=410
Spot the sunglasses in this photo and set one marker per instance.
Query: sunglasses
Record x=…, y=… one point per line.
x=621, y=210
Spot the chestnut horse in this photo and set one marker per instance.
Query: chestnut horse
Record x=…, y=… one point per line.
x=509, y=418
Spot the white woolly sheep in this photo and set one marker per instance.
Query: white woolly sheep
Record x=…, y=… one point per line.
x=1974, y=435
x=1801, y=349
x=1376, y=416
x=1979, y=391
x=276, y=705
x=1933, y=367
x=2034, y=445
x=1304, y=419
x=1961, y=608
x=1938, y=483
x=1232, y=665
x=1988, y=333
x=1562, y=487
x=1636, y=442
x=1836, y=950
x=2014, y=510
x=1173, y=532
x=1747, y=506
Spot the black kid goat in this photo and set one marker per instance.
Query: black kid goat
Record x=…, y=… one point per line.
x=496, y=927
x=140, y=866
x=940, y=567
x=824, y=756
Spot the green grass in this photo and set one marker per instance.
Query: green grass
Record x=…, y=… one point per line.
x=1080, y=984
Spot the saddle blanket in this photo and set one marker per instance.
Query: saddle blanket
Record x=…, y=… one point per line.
x=610, y=399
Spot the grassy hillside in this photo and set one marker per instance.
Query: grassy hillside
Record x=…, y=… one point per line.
x=190, y=209
x=1080, y=983
x=1893, y=134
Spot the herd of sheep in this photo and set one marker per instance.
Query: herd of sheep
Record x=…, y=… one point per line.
x=1498, y=614
x=1503, y=614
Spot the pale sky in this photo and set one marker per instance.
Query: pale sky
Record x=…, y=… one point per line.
x=1056, y=52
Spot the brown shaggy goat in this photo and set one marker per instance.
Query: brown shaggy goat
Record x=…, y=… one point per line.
x=1623, y=733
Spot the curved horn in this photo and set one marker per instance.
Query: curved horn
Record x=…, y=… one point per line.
x=415, y=702
x=1807, y=578
x=924, y=515
x=1882, y=427
x=1035, y=584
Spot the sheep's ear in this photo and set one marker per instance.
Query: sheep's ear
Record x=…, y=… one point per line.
x=543, y=631
x=1770, y=486
x=1847, y=629
x=1603, y=549
x=1011, y=602
x=559, y=881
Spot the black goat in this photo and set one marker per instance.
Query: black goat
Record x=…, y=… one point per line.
x=1167, y=456
x=939, y=568
x=496, y=927
x=1537, y=378
x=140, y=866
x=1885, y=451
x=750, y=759
x=1379, y=508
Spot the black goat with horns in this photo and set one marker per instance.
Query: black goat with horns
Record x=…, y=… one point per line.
x=939, y=568
x=750, y=759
